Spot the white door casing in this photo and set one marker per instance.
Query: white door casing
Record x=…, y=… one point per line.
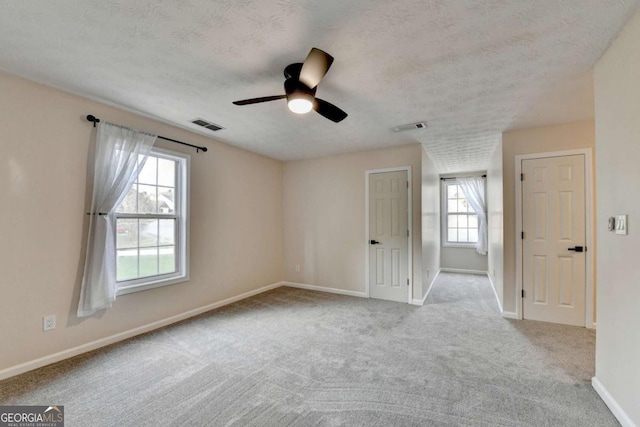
x=554, y=217
x=388, y=235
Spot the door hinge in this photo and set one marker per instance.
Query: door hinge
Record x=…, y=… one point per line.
x=522, y=235
x=407, y=233
x=523, y=293
x=521, y=177
x=407, y=282
x=407, y=184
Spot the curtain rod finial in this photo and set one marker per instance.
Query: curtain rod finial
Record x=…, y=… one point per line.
x=93, y=119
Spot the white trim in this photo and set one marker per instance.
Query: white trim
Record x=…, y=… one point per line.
x=424, y=298
x=409, y=226
x=444, y=237
x=622, y=417
x=510, y=315
x=325, y=289
x=182, y=216
x=591, y=250
x=431, y=284
x=495, y=292
x=93, y=345
x=462, y=271
x=445, y=244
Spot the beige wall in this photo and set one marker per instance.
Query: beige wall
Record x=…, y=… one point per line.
x=537, y=140
x=236, y=223
x=430, y=222
x=617, y=103
x=495, y=255
x=462, y=259
x=324, y=217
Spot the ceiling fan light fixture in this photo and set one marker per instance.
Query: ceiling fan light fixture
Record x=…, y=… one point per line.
x=300, y=103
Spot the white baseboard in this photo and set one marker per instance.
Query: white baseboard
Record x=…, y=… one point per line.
x=421, y=302
x=325, y=289
x=93, y=345
x=462, y=271
x=510, y=315
x=618, y=412
x=417, y=302
x=495, y=292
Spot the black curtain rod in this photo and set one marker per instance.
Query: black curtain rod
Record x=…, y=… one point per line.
x=453, y=177
x=95, y=120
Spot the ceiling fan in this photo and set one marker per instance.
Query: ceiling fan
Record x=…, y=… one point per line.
x=301, y=82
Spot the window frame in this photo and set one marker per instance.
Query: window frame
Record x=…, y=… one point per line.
x=444, y=210
x=181, y=215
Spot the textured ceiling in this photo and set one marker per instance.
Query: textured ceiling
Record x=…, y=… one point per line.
x=470, y=68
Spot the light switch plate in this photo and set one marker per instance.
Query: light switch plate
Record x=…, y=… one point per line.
x=621, y=224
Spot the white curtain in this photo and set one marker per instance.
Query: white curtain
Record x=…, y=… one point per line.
x=116, y=167
x=473, y=189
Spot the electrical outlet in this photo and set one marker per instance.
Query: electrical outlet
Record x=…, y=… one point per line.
x=297, y=268
x=49, y=322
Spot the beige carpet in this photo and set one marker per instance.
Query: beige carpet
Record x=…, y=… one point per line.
x=301, y=358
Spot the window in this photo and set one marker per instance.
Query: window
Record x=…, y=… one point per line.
x=151, y=225
x=459, y=222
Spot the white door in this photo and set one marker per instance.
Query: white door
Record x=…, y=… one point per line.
x=388, y=236
x=553, y=247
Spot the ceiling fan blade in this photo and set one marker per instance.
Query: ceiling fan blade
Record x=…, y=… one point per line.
x=258, y=100
x=315, y=67
x=328, y=110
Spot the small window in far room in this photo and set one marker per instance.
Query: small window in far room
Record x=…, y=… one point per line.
x=151, y=225
x=459, y=222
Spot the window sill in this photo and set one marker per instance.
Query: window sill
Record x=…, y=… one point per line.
x=151, y=284
x=459, y=245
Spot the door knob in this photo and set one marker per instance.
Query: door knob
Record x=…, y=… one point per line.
x=374, y=242
x=577, y=249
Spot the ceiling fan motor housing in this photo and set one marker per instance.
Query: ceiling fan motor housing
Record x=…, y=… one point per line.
x=294, y=86
x=292, y=71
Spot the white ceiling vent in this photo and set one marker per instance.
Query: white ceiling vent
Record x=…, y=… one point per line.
x=410, y=126
x=205, y=124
